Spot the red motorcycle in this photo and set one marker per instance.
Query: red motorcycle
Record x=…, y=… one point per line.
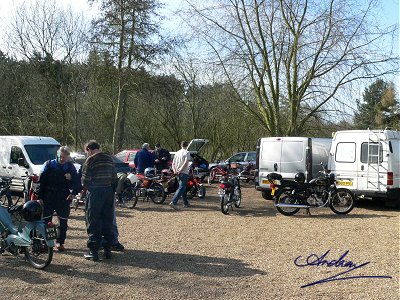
x=194, y=185
x=148, y=186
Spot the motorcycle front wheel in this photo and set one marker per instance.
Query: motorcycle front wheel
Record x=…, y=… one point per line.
x=38, y=254
x=225, y=204
x=129, y=197
x=342, y=201
x=285, y=198
x=237, y=193
x=158, y=194
x=211, y=177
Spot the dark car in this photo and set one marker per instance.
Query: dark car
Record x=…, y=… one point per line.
x=240, y=158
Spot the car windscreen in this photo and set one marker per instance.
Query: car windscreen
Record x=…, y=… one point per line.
x=39, y=154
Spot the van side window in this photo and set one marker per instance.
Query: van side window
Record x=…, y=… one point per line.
x=345, y=152
x=372, y=158
x=16, y=153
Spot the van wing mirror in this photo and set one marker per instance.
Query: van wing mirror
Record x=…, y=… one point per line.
x=22, y=163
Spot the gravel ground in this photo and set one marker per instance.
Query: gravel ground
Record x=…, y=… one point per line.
x=199, y=253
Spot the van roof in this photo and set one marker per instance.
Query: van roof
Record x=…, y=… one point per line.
x=31, y=140
x=390, y=134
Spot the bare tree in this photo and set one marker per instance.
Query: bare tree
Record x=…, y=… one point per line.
x=294, y=56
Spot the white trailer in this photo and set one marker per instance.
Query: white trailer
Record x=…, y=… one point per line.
x=288, y=156
x=368, y=163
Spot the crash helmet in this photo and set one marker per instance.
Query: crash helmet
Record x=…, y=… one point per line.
x=149, y=172
x=300, y=177
x=132, y=178
x=32, y=211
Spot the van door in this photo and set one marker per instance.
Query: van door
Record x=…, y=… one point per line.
x=373, y=166
x=14, y=169
x=344, y=163
x=293, y=157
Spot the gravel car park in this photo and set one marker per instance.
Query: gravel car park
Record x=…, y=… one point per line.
x=199, y=253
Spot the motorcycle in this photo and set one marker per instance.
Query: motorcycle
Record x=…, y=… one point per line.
x=35, y=240
x=248, y=172
x=128, y=195
x=194, y=185
x=149, y=187
x=229, y=192
x=290, y=196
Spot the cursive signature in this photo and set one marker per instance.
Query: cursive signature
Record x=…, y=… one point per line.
x=313, y=260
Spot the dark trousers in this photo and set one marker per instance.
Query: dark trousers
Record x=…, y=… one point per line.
x=99, y=217
x=56, y=201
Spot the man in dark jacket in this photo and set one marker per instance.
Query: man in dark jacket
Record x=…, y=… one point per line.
x=144, y=159
x=99, y=179
x=162, y=157
x=57, y=179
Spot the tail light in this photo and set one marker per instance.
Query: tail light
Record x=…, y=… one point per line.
x=190, y=183
x=272, y=186
x=389, y=178
x=222, y=186
x=34, y=178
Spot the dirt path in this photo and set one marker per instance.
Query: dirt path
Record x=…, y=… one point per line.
x=199, y=253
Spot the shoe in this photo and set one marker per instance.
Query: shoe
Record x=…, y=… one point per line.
x=173, y=206
x=60, y=247
x=118, y=247
x=186, y=205
x=91, y=255
x=107, y=253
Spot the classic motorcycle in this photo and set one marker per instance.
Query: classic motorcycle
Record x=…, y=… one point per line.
x=248, y=172
x=290, y=196
x=148, y=187
x=229, y=192
x=35, y=240
x=194, y=185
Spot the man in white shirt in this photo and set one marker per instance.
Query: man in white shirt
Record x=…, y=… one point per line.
x=180, y=166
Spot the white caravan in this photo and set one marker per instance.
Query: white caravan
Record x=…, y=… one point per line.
x=288, y=156
x=367, y=162
x=19, y=154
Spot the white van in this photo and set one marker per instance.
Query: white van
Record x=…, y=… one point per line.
x=19, y=154
x=367, y=162
x=288, y=156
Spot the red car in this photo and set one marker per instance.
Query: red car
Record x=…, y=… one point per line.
x=128, y=156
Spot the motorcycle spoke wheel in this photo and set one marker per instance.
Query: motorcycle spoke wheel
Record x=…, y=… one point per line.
x=237, y=193
x=191, y=192
x=38, y=254
x=342, y=201
x=201, y=192
x=211, y=177
x=129, y=198
x=287, y=199
x=225, y=204
x=158, y=194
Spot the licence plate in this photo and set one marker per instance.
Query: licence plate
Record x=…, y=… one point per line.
x=51, y=233
x=265, y=181
x=344, y=182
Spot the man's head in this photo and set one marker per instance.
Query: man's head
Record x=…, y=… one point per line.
x=157, y=146
x=92, y=147
x=63, y=154
x=146, y=146
x=184, y=144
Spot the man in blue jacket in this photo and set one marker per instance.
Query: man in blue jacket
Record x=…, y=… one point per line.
x=59, y=183
x=144, y=159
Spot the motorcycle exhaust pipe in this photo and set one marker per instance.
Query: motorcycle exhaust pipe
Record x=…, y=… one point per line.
x=294, y=205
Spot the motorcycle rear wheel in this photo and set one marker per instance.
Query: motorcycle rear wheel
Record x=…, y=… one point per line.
x=38, y=254
x=342, y=201
x=201, y=192
x=129, y=197
x=225, y=204
x=191, y=192
x=158, y=194
x=285, y=198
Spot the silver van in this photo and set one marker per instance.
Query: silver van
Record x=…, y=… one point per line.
x=288, y=156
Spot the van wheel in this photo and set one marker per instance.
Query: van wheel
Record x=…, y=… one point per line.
x=267, y=195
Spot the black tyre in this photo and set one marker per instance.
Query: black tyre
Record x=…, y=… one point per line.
x=225, y=204
x=156, y=193
x=38, y=254
x=191, y=192
x=201, y=192
x=237, y=194
x=129, y=198
x=286, y=198
x=342, y=201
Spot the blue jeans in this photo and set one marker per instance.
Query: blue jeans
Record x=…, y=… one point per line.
x=181, y=192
